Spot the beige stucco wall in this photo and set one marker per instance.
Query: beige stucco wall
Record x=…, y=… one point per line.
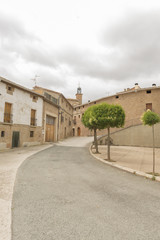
x=135, y=136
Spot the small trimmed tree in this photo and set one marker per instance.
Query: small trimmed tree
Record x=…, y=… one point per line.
x=93, y=119
x=150, y=118
x=114, y=116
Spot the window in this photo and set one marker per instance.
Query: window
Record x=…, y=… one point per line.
x=94, y=102
x=149, y=106
x=2, y=133
x=10, y=89
x=148, y=91
x=117, y=96
x=7, y=113
x=33, y=117
x=31, y=133
x=34, y=98
x=79, y=116
x=74, y=120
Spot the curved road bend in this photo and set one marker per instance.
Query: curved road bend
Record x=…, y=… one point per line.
x=63, y=193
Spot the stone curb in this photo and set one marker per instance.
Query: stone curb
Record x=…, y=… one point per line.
x=126, y=169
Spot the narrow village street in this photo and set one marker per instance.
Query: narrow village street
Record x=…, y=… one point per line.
x=65, y=193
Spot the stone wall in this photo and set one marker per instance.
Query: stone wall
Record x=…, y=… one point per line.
x=24, y=130
x=139, y=135
x=133, y=102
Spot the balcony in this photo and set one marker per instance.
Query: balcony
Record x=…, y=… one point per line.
x=8, y=118
x=51, y=98
x=33, y=122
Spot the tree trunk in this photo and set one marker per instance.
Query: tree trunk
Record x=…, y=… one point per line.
x=153, y=151
x=95, y=140
x=108, y=143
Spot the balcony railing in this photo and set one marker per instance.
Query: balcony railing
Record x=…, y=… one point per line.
x=33, y=122
x=51, y=98
x=8, y=118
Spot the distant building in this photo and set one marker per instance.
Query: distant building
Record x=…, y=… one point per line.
x=133, y=100
x=64, y=117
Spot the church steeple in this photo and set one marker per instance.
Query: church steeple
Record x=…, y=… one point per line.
x=79, y=94
x=79, y=90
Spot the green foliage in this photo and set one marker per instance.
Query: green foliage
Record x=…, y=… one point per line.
x=91, y=116
x=113, y=116
x=150, y=118
x=103, y=116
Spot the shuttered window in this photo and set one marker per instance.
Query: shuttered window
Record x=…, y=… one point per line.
x=7, y=113
x=33, y=117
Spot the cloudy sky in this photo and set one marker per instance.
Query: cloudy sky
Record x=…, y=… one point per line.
x=106, y=45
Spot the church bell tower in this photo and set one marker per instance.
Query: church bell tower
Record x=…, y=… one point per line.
x=79, y=95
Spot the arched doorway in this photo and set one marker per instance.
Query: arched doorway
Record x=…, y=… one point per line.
x=73, y=132
x=78, y=132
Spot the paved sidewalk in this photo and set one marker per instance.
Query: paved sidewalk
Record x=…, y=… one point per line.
x=10, y=161
x=137, y=158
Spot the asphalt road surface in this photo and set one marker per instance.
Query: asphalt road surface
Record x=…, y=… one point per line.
x=63, y=193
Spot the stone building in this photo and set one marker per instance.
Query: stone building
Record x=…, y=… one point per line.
x=64, y=116
x=32, y=117
x=50, y=119
x=20, y=115
x=134, y=101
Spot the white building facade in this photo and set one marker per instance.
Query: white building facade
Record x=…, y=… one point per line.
x=21, y=116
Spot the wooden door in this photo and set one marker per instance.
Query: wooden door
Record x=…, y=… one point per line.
x=78, y=131
x=49, y=133
x=73, y=132
x=7, y=112
x=15, y=139
x=50, y=128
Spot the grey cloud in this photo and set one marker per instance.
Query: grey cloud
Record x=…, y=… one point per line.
x=16, y=40
x=12, y=29
x=137, y=38
x=131, y=50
